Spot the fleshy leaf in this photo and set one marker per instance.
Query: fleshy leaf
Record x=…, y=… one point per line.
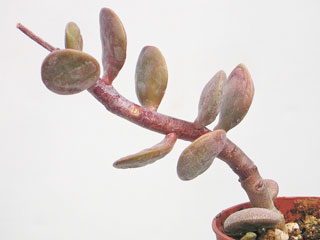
x=73, y=38
x=210, y=100
x=151, y=77
x=114, y=44
x=149, y=155
x=250, y=220
x=69, y=71
x=199, y=155
x=237, y=98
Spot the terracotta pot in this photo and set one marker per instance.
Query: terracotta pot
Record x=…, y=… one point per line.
x=284, y=204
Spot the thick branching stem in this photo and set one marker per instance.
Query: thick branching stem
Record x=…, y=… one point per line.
x=115, y=103
x=238, y=161
x=248, y=173
x=249, y=176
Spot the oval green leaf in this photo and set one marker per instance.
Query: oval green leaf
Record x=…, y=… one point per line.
x=69, y=71
x=148, y=156
x=73, y=38
x=114, y=44
x=210, y=100
x=237, y=98
x=199, y=155
x=151, y=77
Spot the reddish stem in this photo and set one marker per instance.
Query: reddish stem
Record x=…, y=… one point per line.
x=35, y=38
x=238, y=161
x=122, y=107
x=115, y=103
x=248, y=173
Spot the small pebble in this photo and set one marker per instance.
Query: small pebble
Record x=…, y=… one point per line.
x=280, y=235
x=249, y=236
x=291, y=227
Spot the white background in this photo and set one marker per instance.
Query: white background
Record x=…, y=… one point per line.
x=56, y=152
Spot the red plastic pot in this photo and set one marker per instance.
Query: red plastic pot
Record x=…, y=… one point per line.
x=284, y=204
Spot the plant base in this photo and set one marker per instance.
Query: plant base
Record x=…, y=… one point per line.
x=293, y=208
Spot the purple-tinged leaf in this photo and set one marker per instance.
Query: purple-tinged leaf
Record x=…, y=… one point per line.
x=69, y=71
x=73, y=38
x=199, y=155
x=151, y=77
x=114, y=44
x=210, y=100
x=149, y=155
x=237, y=98
x=250, y=220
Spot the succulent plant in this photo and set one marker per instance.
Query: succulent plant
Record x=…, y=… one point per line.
x=69, y=71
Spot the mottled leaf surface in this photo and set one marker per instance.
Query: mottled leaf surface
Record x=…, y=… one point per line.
x=149, y=155
x=73, y=38
x=151, y=77
x=250, y=220
x=69, y=71
x=114, y=44
x=210, y=100
x=237, y=98
x=199, y=155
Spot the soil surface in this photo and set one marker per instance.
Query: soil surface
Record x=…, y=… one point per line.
x=309, y=222
x=306, y=213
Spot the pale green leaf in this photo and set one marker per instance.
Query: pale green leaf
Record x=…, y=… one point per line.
x=149, y=155
x=199, y=155
x=151, y=77
x=69, y=71
x=73, y=38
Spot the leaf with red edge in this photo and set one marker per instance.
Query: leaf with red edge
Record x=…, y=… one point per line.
x=69, y=71
x=199, y=155
x=210, y=100
x=73, y=38
x=237, y=98
x=151, y=77
x=149, y=155
x=114, y=44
